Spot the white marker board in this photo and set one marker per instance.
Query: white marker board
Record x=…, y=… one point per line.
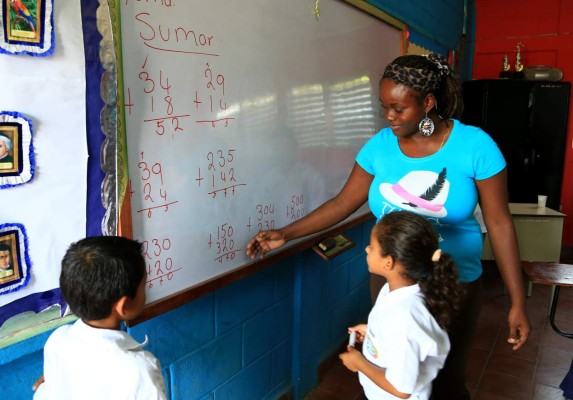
x=240, y=116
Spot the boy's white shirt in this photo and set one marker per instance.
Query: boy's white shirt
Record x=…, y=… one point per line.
x=405, y=339
x=81, y=362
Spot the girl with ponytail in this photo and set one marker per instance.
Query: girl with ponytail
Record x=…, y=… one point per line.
x=405, y=342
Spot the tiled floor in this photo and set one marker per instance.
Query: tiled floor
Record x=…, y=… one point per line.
x=495, y=372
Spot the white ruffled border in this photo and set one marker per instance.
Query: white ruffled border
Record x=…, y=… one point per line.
x=35, y=50
x=27, y=150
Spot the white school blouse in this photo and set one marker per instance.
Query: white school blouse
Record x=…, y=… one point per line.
x=405, y=339
x=81, y=362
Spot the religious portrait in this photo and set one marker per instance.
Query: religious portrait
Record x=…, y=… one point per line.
x=9, y=148
x=17, y=162
x=14, y=260
x=8, y=261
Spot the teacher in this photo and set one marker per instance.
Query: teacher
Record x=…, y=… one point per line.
x=428, y=162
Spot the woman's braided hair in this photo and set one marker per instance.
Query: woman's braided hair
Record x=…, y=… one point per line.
x=428, y=74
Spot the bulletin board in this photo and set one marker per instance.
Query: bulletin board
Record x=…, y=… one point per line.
x=237, y=116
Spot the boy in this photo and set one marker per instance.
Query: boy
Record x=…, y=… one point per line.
x=103, y=281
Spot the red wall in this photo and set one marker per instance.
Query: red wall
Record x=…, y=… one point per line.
x=545, y=28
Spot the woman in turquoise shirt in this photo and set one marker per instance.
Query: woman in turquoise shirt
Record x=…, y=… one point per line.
x=428, y=162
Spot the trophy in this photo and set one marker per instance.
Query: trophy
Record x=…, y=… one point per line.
x=518, y=74
x=505, y=73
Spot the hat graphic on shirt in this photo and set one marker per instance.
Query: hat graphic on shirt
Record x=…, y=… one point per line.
x=422, y=192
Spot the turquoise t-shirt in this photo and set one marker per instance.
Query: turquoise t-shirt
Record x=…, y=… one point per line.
x=440, y=187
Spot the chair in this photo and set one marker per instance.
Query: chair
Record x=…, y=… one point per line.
x=553, y=274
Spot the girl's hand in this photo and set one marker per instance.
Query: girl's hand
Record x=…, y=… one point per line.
x=264, y=242
x=351, y=359
x=360, y=332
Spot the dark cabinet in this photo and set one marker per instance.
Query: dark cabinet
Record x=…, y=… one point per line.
x=528, y=121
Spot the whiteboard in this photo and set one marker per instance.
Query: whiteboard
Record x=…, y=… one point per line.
x=240, y=116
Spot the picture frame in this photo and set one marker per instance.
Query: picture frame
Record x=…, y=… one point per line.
x=9, y=148
x=16, y=149
x=14, y=260
x=27, y=27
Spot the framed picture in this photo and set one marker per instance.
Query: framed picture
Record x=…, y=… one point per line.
x=16, y=150
x=14, y=260
x=27, y=27
x=9, y=148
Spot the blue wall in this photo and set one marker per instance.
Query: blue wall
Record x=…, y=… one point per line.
x=266, y=335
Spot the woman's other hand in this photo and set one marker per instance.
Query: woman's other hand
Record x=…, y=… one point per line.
x=519, y=327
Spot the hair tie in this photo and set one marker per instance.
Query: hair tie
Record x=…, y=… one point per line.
x=440, y=62
x=437, y=255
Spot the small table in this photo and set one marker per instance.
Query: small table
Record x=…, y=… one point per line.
x=539, y=233
x=553, y=274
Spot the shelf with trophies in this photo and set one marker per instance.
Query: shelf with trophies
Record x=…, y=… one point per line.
x=526, y=114
x=518, y=73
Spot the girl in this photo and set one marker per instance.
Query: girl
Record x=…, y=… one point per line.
x=405, y=343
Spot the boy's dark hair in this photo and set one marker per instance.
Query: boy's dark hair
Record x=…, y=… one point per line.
x=98, y=271
x=5, y=247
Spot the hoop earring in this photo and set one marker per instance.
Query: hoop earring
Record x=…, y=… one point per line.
x=426, y=126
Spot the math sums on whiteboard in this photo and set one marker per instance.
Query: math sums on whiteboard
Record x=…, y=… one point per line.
x=159, y=262
x=218, y=175
x=222, y=243
x=161, y=106
x=264, y=219
x=213, y=95
x=296, y=208
x=169, y=106
x=154, y=193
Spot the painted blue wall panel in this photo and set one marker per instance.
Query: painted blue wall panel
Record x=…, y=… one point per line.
x=180, y=331
x=251, y=383
x=358, y=272
x=244, y=299
x=284, y=279
x=267, y=330
x=345, y=313
x=335, y=284
x=308, y=334
x=19, y=377
x=281, y=365
x=207, y=368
